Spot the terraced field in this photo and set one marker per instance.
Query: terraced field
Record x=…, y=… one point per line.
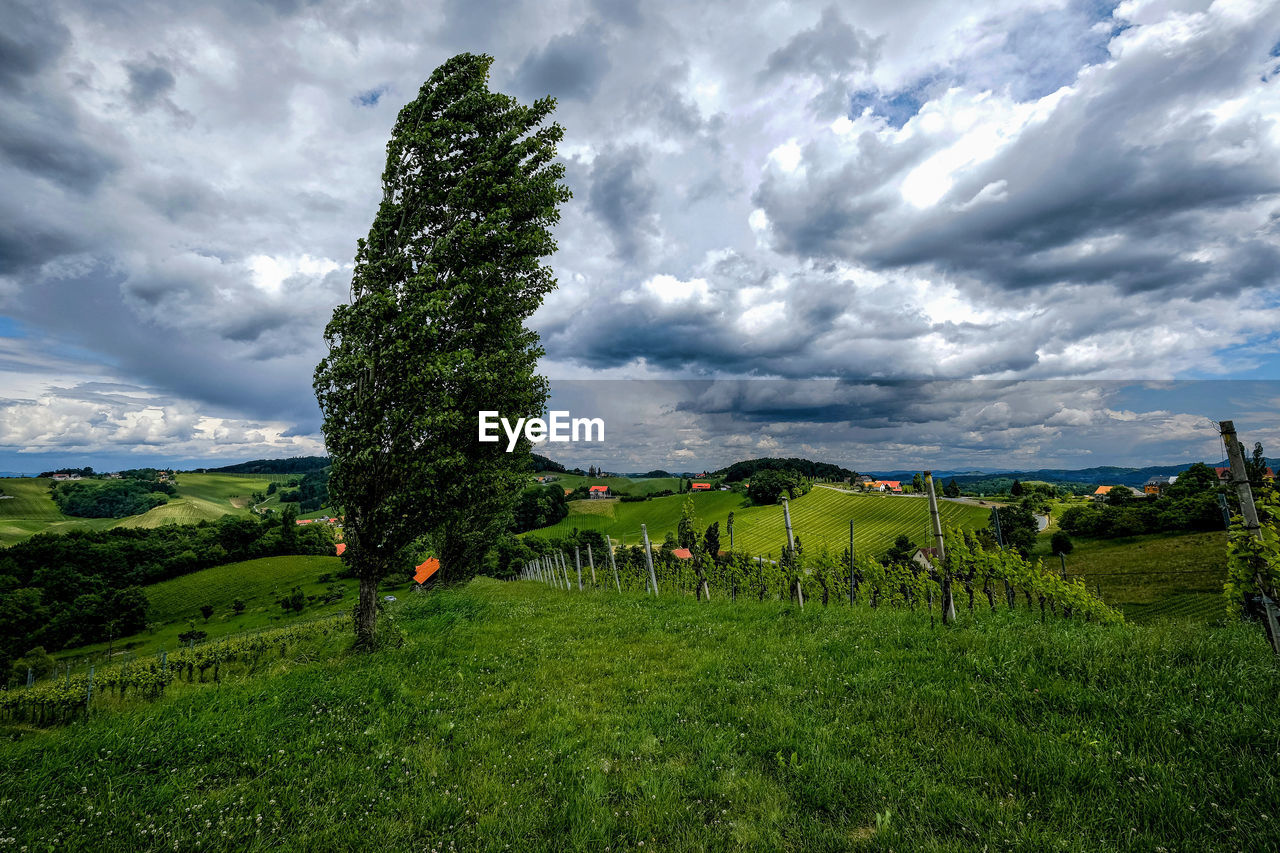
x=819, y=518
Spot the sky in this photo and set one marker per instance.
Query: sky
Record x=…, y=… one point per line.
x=934, y=233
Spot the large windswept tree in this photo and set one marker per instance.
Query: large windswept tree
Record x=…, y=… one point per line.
x=435, y=333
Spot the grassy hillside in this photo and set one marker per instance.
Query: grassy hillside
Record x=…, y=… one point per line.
x=259, y=583
x=201, y=497
x=819, y=518
x=1182, y=573
x=29, y=510
x=505, y=723
x=618, y=485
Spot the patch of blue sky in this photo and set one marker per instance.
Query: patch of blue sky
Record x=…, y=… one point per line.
x=370, y=97
x=11, y=328
x=896, y=108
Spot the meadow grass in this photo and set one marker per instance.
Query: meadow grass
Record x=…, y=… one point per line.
x=820, y=518
x=201, y=497
x=1161, y=575
x=517, y=717
x=617, y=485
x=260, y=583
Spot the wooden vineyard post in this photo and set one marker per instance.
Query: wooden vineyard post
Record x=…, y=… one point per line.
x=791, y=551
x=1240, y=479
x=730, y=525
x=577, y=563
x=648, y=559
x=88, y=696
x=616, y=580
x=853, y=585
x=948, y=600
x=564, y=568
x=592, y=563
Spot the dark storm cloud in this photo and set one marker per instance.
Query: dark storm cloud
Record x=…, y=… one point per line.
x=831, y=47
x=571, y=65
x=621, y=194
x=51, y=148
x=148, y=82
x=31, y=38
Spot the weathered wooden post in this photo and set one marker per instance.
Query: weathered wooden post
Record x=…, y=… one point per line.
x=730, y=526
x=791, y=551
x=592, y=563
x=564, y=567
x=577, y=563
x=948, y=600
x=853, y=585
x=613, y=565
x=88, y=696
x=648, y=558
x=1240, y=479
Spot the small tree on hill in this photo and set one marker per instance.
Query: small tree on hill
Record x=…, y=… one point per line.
x=901, y=551
x=1060, y=543
x=434, y=333
x=206, y=610
x=238, y=606
x=951, y=489
x=687, y=527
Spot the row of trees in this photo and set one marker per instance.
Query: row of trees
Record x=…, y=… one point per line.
x=1189, y=503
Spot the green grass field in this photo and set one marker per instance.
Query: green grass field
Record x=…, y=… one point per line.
x=259, y=583
x=618, y=485
x=201, y=497
x=1156, y=576
x=819, y=518
x=517, y=717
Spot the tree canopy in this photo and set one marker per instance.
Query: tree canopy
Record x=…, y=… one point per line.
x=434, y=333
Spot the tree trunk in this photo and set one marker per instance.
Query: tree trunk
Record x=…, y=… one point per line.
x=367, y=613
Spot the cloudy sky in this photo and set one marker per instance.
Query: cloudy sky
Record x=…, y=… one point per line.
x=1070, y=202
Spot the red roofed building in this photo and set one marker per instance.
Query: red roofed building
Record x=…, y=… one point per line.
x=887, y=485
x=1224, y=475
x=682, y=553
x=598, y=491
x=701, y=487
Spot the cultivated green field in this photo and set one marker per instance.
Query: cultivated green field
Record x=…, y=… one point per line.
x=518, y=717
x=617, y=485
x=201, y=497
x=819, y=518
x=259, y=583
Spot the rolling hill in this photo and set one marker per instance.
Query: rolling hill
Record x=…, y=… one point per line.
x=819, y=518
